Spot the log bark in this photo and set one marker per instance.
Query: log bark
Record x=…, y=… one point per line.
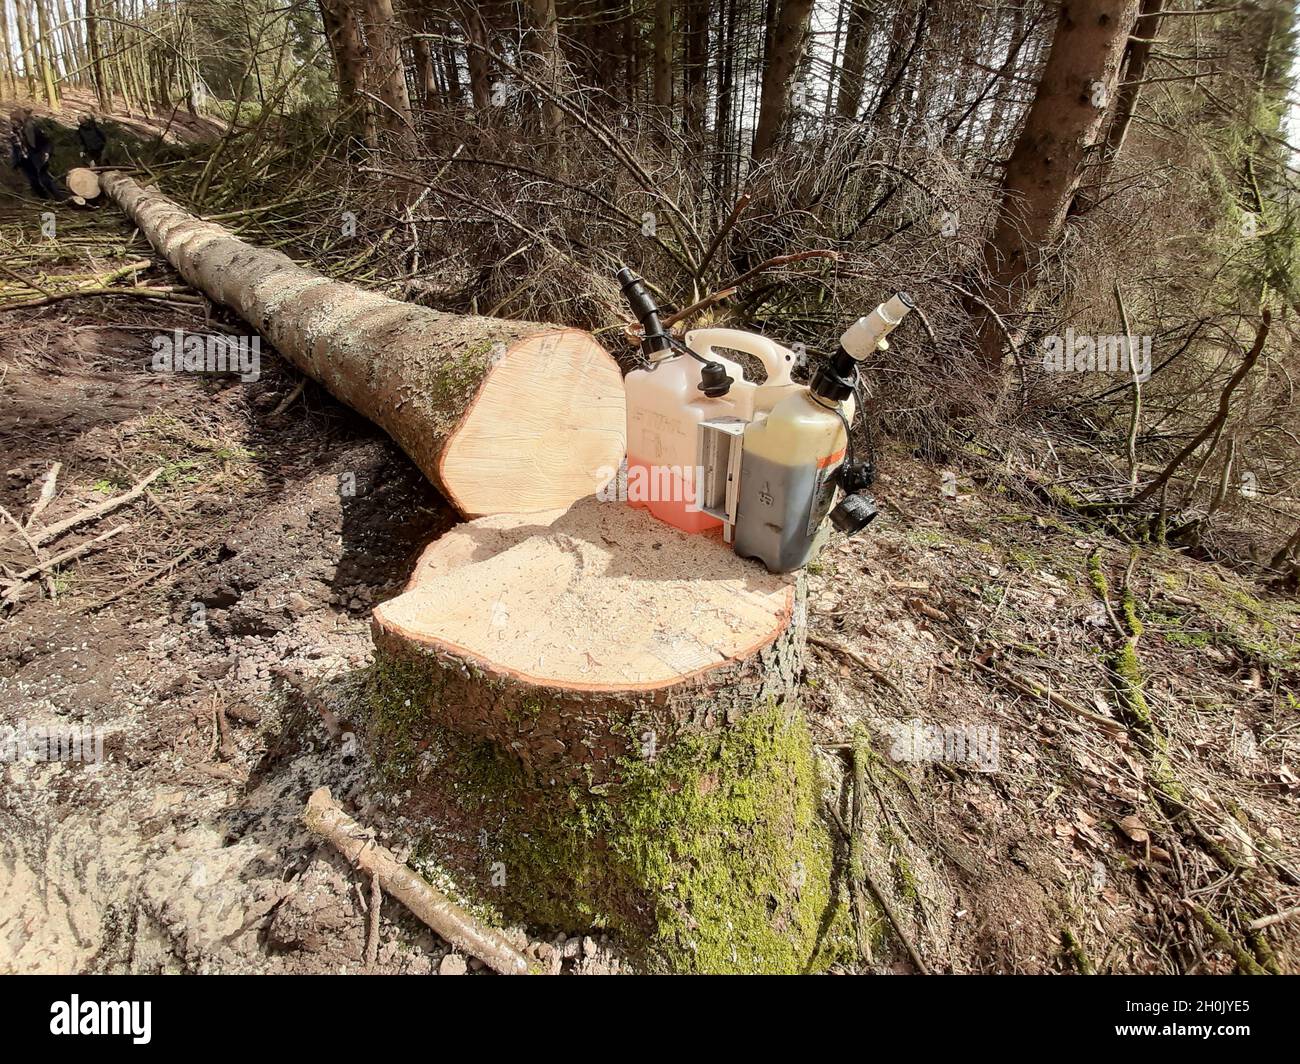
x=499, y=415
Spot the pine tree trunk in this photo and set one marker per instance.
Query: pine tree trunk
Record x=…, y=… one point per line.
x=10, y=74
x=48, y=47
x=696, y=69
x=388, y=73
x=726, y=95
x=26, y=47
x=447, y=50
x=1139, y=56
x=1079, y=82
x=548, y=48
x=663, y=41
x=480, y=71
x=904, y=34
x=855, y=60
x=424, y=71
x=789, y=44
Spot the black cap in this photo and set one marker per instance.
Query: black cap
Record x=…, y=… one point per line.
x=834, y=380
x=854, y=513
x=714, y=380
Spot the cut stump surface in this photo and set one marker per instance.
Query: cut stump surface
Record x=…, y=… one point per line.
x=619, y=702
x=563, y=637
x=598, y=598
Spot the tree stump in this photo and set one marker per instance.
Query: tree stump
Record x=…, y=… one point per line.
x=619, y=701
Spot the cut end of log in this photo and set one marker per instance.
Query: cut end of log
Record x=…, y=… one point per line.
x=600, y=597
x=547, y=427
x=83, y=183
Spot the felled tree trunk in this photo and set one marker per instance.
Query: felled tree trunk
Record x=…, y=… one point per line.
x=499, y=415
x=618, y=702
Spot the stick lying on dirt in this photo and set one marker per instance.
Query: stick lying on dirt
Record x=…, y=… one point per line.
x=91, y=513
x=167, y=293
x=324, y=818
x=48, y=486
x=67, y=555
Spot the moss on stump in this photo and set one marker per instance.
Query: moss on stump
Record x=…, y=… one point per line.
x=700, y=848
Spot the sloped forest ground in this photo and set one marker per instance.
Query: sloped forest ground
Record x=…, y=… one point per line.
x=1127, y=800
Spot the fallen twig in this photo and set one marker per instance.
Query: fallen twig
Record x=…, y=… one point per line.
x=92, y=513
x=781, y=260
x=22, y=534
x=1276, y=918
x=226, y=748
x=372, y=929
x=135, y=585
x=169, y=294
x=324, y=817
x=48, y=486
x=694, y=308
x=1245, y=962
x=287, y=401
x=1027, y=687
x=67, y=555
x=857, y=660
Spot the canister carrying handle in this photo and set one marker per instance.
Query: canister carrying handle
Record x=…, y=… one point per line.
x=777, y=360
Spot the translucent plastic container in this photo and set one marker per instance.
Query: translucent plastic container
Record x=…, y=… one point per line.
x=788, y=482
x=665, y=407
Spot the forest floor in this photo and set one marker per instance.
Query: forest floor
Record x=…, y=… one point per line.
x=1072, y=805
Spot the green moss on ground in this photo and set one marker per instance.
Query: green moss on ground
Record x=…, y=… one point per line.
x=1259, y=630
x=1131, y=618
x=1097, y=576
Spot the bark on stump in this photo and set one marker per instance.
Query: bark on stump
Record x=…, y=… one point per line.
x=499, y=415
x=617, y=701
